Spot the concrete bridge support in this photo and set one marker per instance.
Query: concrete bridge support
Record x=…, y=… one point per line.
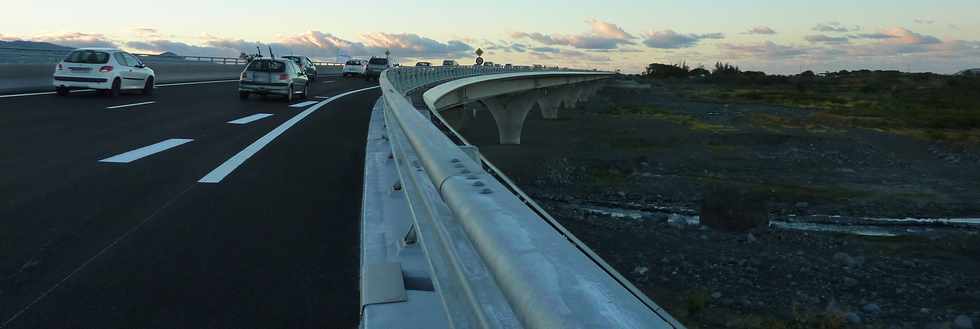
x=509, y=112
x=550, y=101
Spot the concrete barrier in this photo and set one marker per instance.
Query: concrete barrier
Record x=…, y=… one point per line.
x=22, y=78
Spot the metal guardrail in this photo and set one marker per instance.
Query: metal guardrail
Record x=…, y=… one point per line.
x=543, y=278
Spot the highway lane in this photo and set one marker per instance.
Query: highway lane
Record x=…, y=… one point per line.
x=274, y=244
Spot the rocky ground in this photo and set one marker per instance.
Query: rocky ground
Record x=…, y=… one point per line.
x=650, y=149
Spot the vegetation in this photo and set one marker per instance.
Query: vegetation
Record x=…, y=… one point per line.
x=932, y=106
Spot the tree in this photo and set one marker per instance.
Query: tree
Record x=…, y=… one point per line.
x=664, y=71
x=725, y=70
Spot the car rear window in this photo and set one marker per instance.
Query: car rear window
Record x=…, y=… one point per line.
x=353, y=63
x=267, y=66
x=378, y=61
x=87, y=57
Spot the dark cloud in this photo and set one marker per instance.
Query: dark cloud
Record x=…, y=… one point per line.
x=826, y=39
x=924, y=21
x=669, y=39
x=835, y=27
x=546, y=49
x=78, y=40
x=180, y=48
x=760, y=30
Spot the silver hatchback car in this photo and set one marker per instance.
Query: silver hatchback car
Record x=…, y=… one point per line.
x=273, y=77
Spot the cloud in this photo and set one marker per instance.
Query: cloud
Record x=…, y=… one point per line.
x=573, y=56
x=835, y=27
x=669, y=39
x=895, y=41
x=327, y=45
x=766, y=50
x=180, y=48
x=826, y=39
x=77, y=40
x=603, y=35
x=905, y=37
x=413, y=45
x=924, y=21
x=608, y=30
x=760, y=30
x=872, y=36
x=546, y=49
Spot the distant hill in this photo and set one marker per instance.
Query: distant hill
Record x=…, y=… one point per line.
x=32, y=45
x=970, y=72
x=169, y=53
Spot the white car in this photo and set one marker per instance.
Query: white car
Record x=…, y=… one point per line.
x=354, y=67
x=104, y=69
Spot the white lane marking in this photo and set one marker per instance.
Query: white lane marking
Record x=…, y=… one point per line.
x=226, y=168
x=251, y=118
x=129, y=105
x=322, y=97
x=303, y=104
x=195, y=83
x=84, y=90
x=43, y=93
x=147, y=151
x=329, y=81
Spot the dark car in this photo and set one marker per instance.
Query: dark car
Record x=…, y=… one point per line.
x=306, y=64
x=423, y=64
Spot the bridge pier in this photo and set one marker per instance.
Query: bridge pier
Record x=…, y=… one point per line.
x=509, y=112
x=550, y=101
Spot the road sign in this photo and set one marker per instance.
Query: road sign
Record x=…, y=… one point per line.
x=479, y=61
x=479, y=52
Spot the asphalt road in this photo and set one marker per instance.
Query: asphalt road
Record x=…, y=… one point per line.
x=89, y=240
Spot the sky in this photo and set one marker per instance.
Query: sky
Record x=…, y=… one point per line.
x=773, y=36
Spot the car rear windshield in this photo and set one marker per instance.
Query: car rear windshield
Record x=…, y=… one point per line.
x=87, y=57
x=267, y=66
x=378, y=61
x=353, y=62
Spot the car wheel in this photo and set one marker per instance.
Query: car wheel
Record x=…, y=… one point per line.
x=148, y=87
x=289, y=94
x=62, y=91
x=243, y=94
x=306, y=90
x=116, y=87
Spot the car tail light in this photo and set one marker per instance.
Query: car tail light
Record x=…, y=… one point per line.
x=244, y=75
x=105, y=69
x=60, y=67
x=284, y=76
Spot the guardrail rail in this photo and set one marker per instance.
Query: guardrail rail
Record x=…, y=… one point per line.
x=497, y=259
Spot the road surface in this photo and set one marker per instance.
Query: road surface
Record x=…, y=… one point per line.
x=105, y=223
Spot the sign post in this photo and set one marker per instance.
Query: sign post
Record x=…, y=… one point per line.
x=479, y=58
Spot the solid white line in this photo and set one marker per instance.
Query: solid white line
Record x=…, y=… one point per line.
x=322, y=97
x=146, y=151
x=195, y=83
x=329, y=81
x=129, y=105
x=303, y=104
x=226, y=168
x=251, y=118
x=158, y=85
x=43, y=93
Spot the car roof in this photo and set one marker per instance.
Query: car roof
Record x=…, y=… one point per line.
x=97, y=49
